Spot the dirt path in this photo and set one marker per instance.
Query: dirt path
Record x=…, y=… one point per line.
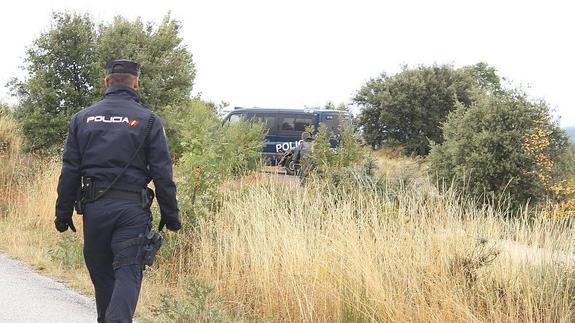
x=26, y=296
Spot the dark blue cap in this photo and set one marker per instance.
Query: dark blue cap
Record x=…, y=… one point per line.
x=123, y=66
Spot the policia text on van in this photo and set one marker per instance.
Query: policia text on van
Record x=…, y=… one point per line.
x=285, y=126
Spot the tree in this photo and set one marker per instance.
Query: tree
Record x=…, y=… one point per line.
x=61, y=73
x=167, y=69
x=407, y=109
x=504, y=145
x=65, y=68
x=340, y=107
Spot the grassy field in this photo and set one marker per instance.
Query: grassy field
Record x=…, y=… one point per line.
x=391, y=250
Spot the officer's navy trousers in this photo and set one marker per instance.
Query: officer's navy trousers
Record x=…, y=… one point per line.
x=108, y=222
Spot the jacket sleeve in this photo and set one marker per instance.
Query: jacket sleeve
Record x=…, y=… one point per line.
x=70, y=176
x=160, y=164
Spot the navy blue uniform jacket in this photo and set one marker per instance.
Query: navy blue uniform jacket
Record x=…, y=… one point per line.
x=101, y=140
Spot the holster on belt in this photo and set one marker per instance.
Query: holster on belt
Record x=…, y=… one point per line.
x=148, y=245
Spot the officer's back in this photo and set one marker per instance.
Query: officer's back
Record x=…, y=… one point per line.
x=114, y=148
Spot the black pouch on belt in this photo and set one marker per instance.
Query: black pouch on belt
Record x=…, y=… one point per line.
x=85, y=194
x=147, y=197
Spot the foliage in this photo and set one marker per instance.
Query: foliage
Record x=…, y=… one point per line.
x=167, y=70
x=565, y=189
x=340, y=107
x=61, y=68
x=503, y=145
x=484, y=77
x=68, y=251
x=207, y=152
x=65, y=68
x=325, y=160
x=407, y=109
x=197, y=306
x=4, y=109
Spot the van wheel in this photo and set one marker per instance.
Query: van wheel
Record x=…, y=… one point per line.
x=290, y=166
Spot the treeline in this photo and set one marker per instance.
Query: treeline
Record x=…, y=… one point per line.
x=489, y=140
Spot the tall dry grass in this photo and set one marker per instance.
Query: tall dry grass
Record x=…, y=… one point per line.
x=10, y=160
x=389, y=251
x=27, y=230
x=27, y=200
x=387, y=254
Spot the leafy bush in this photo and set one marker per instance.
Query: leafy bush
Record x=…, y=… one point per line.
x=197, y=306
x=503, y=145
x=326, y=159
x=565, y=189
x=68, y=251
x=407, y=109
x=207, y=152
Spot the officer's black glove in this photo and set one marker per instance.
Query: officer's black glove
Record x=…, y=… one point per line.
x=172, y=226
x=62, y=224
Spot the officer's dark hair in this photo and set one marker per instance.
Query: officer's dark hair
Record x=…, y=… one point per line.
x=120, y=79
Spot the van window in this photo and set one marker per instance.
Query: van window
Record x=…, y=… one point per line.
x=294, y=123
x=268, y=118
x=234, y=118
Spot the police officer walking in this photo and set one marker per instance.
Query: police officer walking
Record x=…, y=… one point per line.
x=113, y=150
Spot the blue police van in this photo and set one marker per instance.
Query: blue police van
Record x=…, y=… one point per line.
x=285, y=126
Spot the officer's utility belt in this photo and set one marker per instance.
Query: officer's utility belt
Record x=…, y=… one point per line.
x=90, y=193
x=119, y=195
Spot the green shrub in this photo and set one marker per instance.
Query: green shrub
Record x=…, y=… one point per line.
x=68, y=252
x=348, y=152
x=503, y=146
x=197, y=306
x=207, y=153
x=566, y=165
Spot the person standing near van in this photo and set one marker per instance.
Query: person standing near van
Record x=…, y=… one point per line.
x=303, y=149
x=301, y=154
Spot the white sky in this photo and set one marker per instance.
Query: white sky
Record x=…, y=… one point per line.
x=305, y=53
